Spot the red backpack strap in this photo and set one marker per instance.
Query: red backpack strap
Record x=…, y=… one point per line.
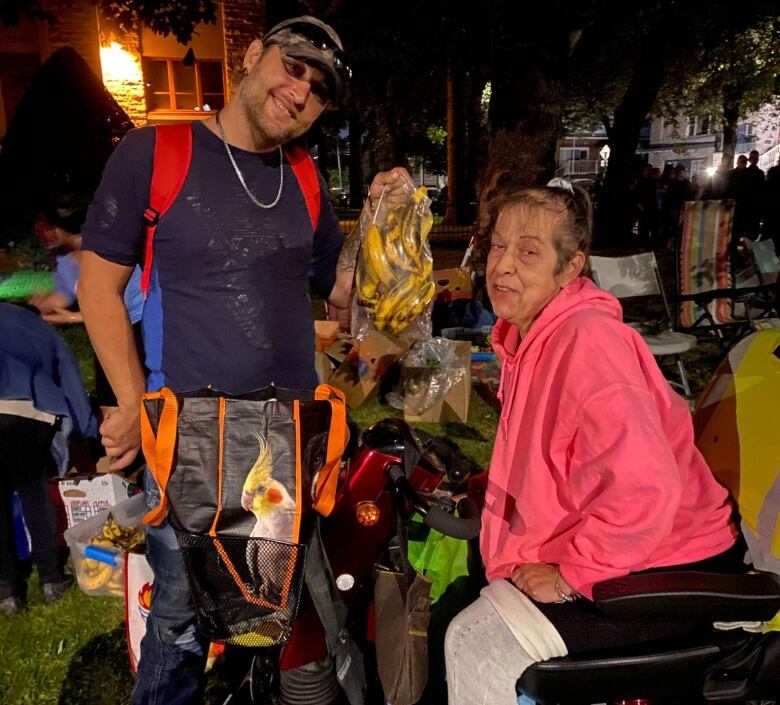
x=306, y=172
x=172, y=155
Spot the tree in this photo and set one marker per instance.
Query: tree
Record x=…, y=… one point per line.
x=656, y=57
x=177, y=18
x=397, y=87
x=736, y=80
x=48, y=150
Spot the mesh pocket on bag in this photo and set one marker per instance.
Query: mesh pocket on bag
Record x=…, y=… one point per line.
x=246, y=590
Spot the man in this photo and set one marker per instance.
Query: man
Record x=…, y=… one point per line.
x=772, y=205
x=647, y=203
x=746, y=187
x=229, y=304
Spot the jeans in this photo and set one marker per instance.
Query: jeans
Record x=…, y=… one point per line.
x=25, y=458
x=173, y=651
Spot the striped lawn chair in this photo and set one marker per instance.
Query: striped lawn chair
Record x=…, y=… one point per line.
x=706, y=293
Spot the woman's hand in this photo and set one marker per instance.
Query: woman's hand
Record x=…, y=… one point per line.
x=62, y=316
x=49, y=303
x=539, y=580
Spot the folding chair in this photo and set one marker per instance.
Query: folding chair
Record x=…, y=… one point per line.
x=766, y=268
x=707, y=294
x=637, y=275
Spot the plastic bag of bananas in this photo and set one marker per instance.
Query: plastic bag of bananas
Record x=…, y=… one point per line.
x=394, y=271
x=98, y=546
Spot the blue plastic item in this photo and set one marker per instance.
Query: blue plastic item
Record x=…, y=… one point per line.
x=482, y=357
x=21, y=535
x=109, y=556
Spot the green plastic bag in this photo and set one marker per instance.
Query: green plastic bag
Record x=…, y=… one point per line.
x=23, y=285
x=440, y=558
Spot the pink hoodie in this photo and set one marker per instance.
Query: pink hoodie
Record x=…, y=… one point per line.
x=594, y=466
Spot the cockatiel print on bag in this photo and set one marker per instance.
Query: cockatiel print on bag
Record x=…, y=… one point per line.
x=274, y=511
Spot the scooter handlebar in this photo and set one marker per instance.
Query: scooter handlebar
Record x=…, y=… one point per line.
x=464, y=527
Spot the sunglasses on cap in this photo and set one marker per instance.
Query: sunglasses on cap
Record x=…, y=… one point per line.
x=322, y=41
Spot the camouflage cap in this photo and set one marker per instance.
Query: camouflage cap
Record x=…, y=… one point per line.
x=310, y=40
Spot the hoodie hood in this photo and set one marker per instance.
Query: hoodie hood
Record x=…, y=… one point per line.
x=582, y=293
x=511, y=346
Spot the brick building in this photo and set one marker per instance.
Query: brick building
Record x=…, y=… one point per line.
x=155, y=79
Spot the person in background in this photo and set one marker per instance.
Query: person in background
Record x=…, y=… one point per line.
x=59, y=231
x=42, y=402
x=678, y=190
x=647, y=203
x=771, y=226
x=594, y=473
x=746, y=187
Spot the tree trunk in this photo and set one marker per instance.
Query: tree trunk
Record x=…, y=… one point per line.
x=475, y=148
x=455, y=151
x=615, y=217
x=732, y=98
x=355, y=161
x=526, y=120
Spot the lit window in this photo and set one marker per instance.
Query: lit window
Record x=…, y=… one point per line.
x=170, y=85
x=573, y=153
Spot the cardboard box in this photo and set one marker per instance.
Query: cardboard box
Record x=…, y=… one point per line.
x=325, y=334
x=454, y=406
x=364, y=365
x=453, y=284
x=85, y=496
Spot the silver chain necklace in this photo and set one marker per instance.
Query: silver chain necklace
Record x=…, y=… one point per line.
x=240, y=176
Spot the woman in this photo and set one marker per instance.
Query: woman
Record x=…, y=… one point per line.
x=594, y=472
x=59, y=231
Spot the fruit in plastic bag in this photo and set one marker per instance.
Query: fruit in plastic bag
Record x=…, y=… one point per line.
x=395, y=265
x=94, y=574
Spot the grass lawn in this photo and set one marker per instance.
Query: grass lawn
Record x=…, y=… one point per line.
x=73, y=652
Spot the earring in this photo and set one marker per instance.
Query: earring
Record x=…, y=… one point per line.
x=244, y=71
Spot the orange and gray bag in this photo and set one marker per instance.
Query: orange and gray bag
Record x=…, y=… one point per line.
x=240, y=480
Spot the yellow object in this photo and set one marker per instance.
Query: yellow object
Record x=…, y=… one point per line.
x=394, y=277
x=259, y=475
x=736, y=431
x=252, y=640
x=377, y=259
x=94, y=580
x=759, y=489
x=367, y=287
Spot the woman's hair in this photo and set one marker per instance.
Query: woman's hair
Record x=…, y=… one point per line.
x=574, y=229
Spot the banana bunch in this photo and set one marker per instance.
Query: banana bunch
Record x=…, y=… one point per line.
x=395, y=264
x=93, y=574
x=128, y=538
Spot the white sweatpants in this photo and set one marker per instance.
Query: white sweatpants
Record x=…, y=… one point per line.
x=490, y=643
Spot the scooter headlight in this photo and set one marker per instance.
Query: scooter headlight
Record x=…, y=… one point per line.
x=367, y=513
